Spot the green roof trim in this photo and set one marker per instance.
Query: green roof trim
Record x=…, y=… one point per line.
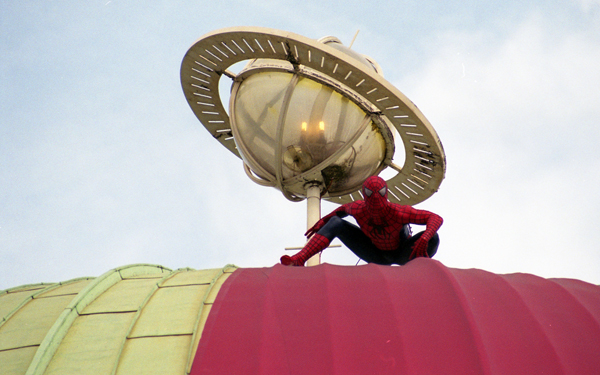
x=205, y=308
x=138, y=318
x=138, y=312
x=58, y=331
x=36, y=291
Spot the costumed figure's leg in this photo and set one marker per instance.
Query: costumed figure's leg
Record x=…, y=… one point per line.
x=358, y=242
x=348, y=233
x=316, y=244
x=406, y=248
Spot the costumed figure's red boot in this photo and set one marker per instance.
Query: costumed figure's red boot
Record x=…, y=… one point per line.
x=316, y=244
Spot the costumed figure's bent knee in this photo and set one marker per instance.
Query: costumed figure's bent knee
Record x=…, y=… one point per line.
x=332, y=228
x=432, y=245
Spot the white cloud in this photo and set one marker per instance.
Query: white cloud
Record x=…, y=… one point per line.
x=588, y=5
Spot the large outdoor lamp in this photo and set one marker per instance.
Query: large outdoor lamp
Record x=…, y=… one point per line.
x=310, y=118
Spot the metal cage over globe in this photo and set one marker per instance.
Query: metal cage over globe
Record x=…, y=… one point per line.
x=307, y=113
x=293, y=129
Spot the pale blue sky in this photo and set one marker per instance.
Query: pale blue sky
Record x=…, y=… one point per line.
x=103, y=164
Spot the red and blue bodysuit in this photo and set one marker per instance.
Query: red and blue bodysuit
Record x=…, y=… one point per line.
x=383, y=233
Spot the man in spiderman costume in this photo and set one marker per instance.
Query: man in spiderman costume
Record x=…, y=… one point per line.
x=384, y=235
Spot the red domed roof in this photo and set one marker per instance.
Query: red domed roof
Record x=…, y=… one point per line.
x=422, y=318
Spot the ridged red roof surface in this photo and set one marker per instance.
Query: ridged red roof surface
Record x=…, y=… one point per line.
x=422, y=318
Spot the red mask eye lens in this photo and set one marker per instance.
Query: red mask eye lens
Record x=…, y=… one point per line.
x=368, y=192
x=382, y=191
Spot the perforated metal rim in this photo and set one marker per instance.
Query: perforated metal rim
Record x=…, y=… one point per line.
x=208, y=59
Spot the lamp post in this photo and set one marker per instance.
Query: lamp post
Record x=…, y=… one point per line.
x=310, y=118
x=313, y=214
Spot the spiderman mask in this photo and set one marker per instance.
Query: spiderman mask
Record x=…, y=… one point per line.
x=375, y=194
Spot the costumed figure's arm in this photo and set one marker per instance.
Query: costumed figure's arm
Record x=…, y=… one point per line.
x=432, y=221
x=340, y=212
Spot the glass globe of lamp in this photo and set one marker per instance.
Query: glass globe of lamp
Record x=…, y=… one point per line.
x=294, y=129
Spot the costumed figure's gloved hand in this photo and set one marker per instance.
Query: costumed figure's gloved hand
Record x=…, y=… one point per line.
x=339, y=212
x=419, y=249
x=315, y=228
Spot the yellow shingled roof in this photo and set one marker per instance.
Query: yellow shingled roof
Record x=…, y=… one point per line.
x=134, y=319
